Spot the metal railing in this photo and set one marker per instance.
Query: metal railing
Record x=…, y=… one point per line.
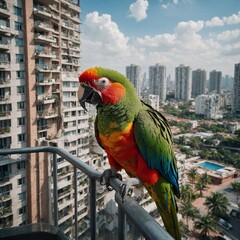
x=144, y=222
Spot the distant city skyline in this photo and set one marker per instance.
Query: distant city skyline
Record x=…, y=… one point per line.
x=199, y=34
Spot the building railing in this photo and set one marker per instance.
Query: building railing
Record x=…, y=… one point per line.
x=144, y=222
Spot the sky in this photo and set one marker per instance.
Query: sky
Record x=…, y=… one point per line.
x=197, y=33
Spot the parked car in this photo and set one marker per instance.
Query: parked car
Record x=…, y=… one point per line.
x=224, y=224
x=235, y=213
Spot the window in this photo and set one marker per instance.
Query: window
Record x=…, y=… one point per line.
x=21, y=181
x=21, y=121
x=21, y=137
x=21, y=165
x=19, y=58
x=22, y=196
x=21, y=105
x=40, y=90
x=5, y=189
x=20, y=74
x=18, y=11
x=20, y=89
x=19, y=41
x=22, y=210
x=18, y=26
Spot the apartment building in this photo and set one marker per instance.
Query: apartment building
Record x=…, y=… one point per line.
x=236, y=91
x=215, y=78
x=39, y=66
x=133, y=73
x=208, y=105
x=199, y=78
x=183, y=82
x=158, y=81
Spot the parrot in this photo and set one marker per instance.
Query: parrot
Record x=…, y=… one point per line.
x=135, y=137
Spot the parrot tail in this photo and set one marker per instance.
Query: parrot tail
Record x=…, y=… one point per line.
x=164, y=198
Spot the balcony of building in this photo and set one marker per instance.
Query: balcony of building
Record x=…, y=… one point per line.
x=4, y=12
x=47, y=114
x=45, y=54
x=75, y=217
x=42, y=11
x=46, y=99
x=44, y=38
x=70, y=4
x=4, y=82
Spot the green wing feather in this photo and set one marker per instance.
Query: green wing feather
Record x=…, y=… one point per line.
x=154, y=139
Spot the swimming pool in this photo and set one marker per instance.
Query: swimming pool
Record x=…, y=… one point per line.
x=210, y=166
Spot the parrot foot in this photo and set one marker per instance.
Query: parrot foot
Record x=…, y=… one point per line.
x=107, y=175
x=126, y=188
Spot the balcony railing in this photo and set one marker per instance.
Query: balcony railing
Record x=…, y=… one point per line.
x=145, y=223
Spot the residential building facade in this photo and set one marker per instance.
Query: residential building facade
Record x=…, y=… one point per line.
x=133, y=73
x=158, y=81
x=183, y=82
x=39, y=66
x=199, y=77
x=236, y=91
x=215, y=78
x=208, y=105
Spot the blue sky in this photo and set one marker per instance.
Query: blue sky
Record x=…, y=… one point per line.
x=199, y=33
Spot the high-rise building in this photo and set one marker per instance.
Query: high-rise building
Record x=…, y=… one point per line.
x=198, y=82
x=183, y=82
x=236, y=91
x=227, y=82
x=39, y=65
x=158, y=81
x=133, y=73
x=215, y=78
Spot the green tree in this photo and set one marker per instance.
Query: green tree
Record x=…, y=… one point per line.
x=187, y=193
x=193, y=174
x=205, y=224
x=188, y=211
x=200, y=186
x=217, y=204
x=205, y=179
x=183, y=227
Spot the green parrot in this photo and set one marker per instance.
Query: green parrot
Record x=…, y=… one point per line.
x=136, y=138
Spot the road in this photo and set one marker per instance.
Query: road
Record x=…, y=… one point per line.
x=233, y=233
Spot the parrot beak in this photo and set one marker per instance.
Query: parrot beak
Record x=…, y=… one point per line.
x=87, y=94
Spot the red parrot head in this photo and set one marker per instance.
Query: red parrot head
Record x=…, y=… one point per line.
x=100, y=86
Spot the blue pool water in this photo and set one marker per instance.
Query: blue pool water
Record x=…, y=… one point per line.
x=210, y=166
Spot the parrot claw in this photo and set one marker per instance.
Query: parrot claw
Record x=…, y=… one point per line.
x=107, y=175
x=126, y=188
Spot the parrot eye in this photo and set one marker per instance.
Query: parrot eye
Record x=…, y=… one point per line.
x=102, y=82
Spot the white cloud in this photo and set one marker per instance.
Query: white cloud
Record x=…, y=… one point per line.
x=103, y=44
x=216, y=21
x=170, y=3
x=139, y=9
x=229, y=35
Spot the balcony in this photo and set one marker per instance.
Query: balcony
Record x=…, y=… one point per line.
x=46, y=99
x=145, y=224
x=47, y=114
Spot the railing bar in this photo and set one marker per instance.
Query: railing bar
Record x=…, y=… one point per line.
x=55, y=190
x=88, y=170
x=75, y=203
x=147, y=225
x=93, y=208
x=121, y=224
